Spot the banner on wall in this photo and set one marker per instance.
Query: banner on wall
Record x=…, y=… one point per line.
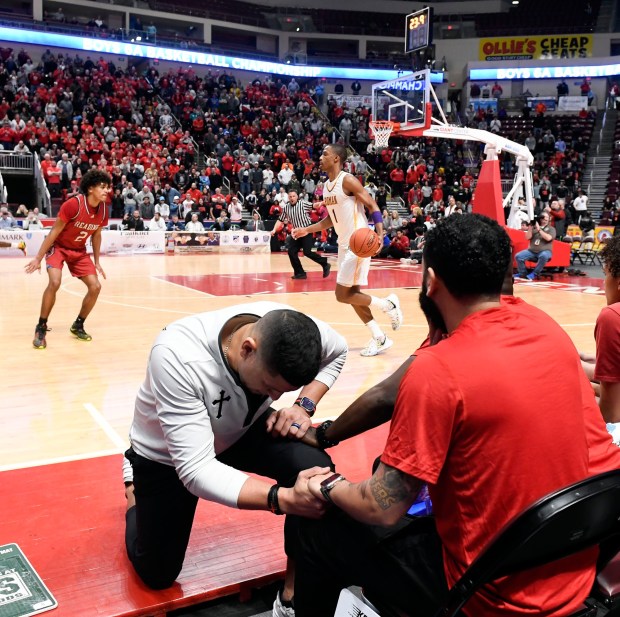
x=485, y=105
x=547, y=101
x=153, y=242
x=129, y=242
x=573, y=103
x=33, y=240
x=352, y=101
x=219, y=242
x=602, y=233
x=536, y=47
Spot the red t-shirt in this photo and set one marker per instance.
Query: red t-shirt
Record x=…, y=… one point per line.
x=478, y=420
x=81, y=222
x=607, y=335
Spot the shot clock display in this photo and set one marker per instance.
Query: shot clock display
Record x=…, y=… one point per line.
x=418, y=30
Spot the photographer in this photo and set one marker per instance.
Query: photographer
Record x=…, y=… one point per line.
x=541, y=236
x=129, y=194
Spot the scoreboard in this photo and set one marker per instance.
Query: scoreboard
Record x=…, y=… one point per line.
x=419, y=30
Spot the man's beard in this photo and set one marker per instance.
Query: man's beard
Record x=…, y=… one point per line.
x=430, y=308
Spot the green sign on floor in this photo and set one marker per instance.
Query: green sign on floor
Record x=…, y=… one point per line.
x=22, y=592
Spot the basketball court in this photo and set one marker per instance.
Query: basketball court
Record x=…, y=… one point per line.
x=74, y=400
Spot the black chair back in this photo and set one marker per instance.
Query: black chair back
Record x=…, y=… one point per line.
x=563, y=523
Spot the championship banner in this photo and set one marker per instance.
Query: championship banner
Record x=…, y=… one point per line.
x=22, y=592
x=218, y=242
x=129, y=242
x=536, y=47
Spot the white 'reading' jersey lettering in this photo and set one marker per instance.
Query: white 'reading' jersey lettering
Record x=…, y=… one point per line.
x=346, y=214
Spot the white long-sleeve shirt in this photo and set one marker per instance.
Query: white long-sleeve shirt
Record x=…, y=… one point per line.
x=190, y=406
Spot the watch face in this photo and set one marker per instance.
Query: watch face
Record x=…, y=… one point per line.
x=328, y=482
x=307, y=404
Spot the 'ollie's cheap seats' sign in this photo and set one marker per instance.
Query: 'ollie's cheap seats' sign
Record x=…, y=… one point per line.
x=536, y=47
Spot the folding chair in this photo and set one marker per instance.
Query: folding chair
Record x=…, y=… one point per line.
x=598, y=247
x=585, y=252
x=574, y=246
x=563, y=523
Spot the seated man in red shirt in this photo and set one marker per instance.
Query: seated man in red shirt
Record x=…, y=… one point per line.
x=399, y=246
x=463, y=425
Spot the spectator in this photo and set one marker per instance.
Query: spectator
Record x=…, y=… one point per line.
x=256, y=224
x=194, y=225
x=399, y=246
x=394, y=223
x=31, y=222
x=129, y=198
x=235, y=210
x=147, y=209
x=157, y=223
x=163, y=208
x=587, y=225
x=175, y=224
x=6, y=220
x=607, y=334
x=135, y=222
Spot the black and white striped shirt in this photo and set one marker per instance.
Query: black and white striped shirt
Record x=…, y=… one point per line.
x=298, y=215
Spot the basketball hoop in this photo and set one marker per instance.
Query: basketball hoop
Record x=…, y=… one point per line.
x=382, y=129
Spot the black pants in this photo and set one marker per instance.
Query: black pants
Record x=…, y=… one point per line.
x=305, y=244
x=400, y=567
x=158, y=527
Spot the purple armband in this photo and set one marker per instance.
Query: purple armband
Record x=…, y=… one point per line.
x=376, y=217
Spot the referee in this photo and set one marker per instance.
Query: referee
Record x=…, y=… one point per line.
x=297, y=212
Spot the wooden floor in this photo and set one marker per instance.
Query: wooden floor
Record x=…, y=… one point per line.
x=75, y=400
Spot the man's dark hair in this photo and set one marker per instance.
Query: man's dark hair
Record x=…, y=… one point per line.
x=290, y=346
x=340, y=152
x=470, y=253
x=93, y=178
x=610, y=256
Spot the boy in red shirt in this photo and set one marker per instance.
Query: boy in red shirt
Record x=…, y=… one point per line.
x=80, y=218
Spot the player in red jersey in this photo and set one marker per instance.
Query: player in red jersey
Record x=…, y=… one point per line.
x=80, y=217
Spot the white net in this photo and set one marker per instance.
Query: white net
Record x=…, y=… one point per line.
x=382, y=129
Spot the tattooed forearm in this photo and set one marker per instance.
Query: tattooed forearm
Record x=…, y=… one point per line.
x=389, y=486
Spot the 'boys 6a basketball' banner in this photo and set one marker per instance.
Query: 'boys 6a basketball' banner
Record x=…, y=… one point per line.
x=536, y=47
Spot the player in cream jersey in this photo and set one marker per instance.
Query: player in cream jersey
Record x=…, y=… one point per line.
x=345, y=199
x=346, y=213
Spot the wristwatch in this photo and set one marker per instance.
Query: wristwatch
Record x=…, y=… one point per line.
x=307, y=404
x=328, y=484
x=322, y=439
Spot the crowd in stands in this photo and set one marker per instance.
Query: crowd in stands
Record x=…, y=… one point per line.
x=256, y=142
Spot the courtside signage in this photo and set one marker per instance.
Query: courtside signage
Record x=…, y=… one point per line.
x=122, y=48
x=545, y=72
x=22, y=592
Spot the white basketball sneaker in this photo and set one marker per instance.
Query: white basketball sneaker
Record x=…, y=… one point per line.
x=395, y=314
x=375, y=347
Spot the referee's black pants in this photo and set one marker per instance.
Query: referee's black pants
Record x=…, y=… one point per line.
x=158, y=527
x=305, y=244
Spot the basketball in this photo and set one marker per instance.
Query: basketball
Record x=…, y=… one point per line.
x=364, y=242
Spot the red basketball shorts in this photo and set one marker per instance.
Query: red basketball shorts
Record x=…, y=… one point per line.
x=78, y=262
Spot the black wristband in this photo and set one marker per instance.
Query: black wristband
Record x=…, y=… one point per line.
x=272, y=499
x=321, y=438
